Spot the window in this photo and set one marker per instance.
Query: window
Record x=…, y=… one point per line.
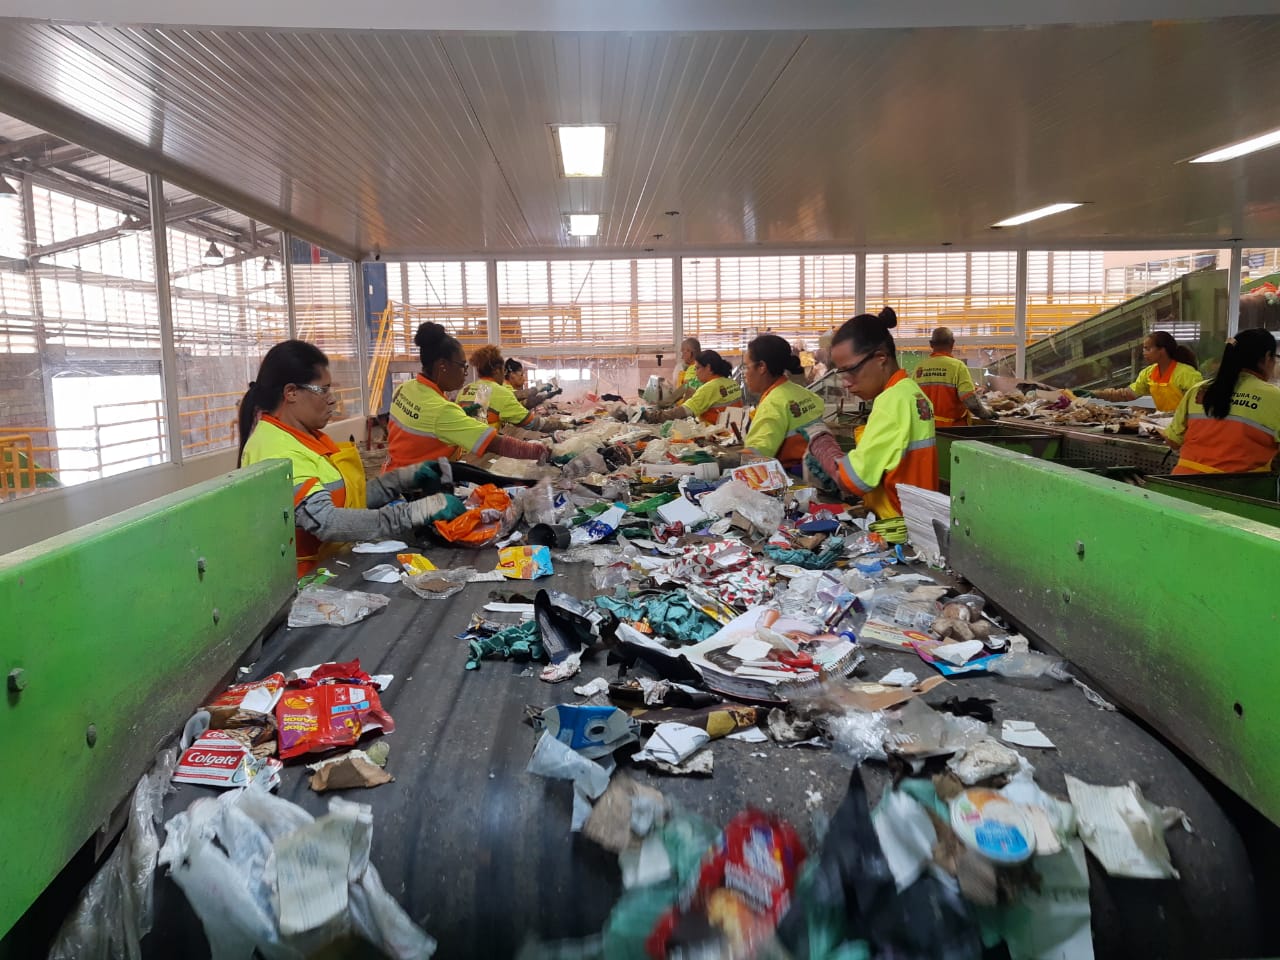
x=325, y=313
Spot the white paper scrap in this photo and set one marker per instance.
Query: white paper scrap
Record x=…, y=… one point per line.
x=1123, y=829
x=750, y=648
x=749, y=735
x=673, y=743
x=382, y=573
x=1024, y=733
x=906, y=836
x=380, y=546
x=957, y=654
x=897, y=677
x=598, y=685
x=311, y=873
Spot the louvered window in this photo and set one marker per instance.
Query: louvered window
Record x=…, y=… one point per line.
x=454, y=294
x=17, y=322
x=324, y=313
x=601, y=307
x=729, y=300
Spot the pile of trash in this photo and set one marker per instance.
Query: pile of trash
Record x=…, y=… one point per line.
x=1063, y=408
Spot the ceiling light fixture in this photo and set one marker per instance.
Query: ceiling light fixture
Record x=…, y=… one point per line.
x=1036, y=214
x=6, y=188
x=584, y=224
x=1262, y=141
x=267, y=265
x=581, y=149
x=213, y=255
x=133, y=224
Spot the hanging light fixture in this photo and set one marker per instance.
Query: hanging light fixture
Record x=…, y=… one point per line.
x=267, y=265
x=213, y=255
x=133, y=224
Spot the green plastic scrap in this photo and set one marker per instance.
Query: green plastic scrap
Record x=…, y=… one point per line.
x=671, y=615
x=652, y=504
x=832, y=551
x=520, y=642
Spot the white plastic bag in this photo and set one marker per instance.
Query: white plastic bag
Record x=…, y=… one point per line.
x=115, y=909
x=761, y=510
x=318, y=606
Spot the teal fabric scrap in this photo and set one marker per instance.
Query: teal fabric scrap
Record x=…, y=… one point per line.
x=672, y=615
x=521, y=642
x=831, y=552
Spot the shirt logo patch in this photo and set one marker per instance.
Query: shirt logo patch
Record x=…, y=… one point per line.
x=924, y=408
x=794, y=407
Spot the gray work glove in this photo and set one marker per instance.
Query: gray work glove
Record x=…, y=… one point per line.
x=437, y=506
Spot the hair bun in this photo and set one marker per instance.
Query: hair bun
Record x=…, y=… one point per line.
x=889, y=317
x=429, y=333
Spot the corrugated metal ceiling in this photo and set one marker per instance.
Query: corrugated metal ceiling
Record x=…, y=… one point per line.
x=414, y=142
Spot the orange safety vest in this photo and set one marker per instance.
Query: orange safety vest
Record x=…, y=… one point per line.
x=898, y=446
x=947, y=383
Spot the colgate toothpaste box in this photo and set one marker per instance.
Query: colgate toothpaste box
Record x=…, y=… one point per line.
x=217, y=759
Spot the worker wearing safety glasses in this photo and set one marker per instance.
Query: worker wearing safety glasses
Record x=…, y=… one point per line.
x=898, y=444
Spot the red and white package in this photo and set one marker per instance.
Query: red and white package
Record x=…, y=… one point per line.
x=217, y=759
x=318, y=718
x=258, y=696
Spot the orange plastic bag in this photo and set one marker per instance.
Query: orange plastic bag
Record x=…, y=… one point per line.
x=471, y=527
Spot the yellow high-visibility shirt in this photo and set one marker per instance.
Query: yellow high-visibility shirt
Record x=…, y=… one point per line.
x=898, y=446
x=710, y=398
x=947, y=383
x=503, y=407
x=1245, y=441
x=427, y=425
x=775, y=424
x=688, y=377
x=1166, y=386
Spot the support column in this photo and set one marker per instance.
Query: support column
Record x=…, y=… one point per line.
x=1233, y=290
x=859, y=284
x=491, y=300
x=359, y=304
x=1020, y=315
x=677, y=302
x=286, y=260
x=164, y=308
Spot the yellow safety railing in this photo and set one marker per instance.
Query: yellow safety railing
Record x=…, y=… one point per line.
x=17, y=465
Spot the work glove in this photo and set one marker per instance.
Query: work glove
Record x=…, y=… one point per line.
x=650, y=415
x=1087, y=394
x=520, y=449
x=437, y=506
x=825, y=453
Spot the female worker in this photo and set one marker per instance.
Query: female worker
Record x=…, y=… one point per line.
x=281, y=417
x=687, y=376
x=1231, y=424
x=426, y=425
x=1172, y=372
x=897, y=445
x=489, y=393
x=717, y=392
x=785, y=407
x=517, y=378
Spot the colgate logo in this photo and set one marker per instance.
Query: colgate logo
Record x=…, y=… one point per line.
x=215, y=759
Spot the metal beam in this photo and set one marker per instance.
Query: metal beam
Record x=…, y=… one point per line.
x=677, y=303
x=42, y=111
x=286, y=263
x=1020, y=315
x=28, y=146
x=85, y=240
x=491, y=303
x=164, y=309
x=1233, y=290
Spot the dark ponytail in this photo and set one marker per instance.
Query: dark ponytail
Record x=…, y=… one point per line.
x=775, y=353
x=292, y=361
x=512, y=365
x=868, y=332
x=718, y=364
x=1164, y=340
x=1246, y=351
x=434, y=343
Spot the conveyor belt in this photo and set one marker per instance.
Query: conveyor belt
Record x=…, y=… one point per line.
x=480, y=853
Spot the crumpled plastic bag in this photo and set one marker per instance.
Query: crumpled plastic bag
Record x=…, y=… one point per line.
x=761, y=510
x=318, y=606
x=225, y=855
x=438, y=584
x=543, y=503
x=115, y=909
x=490, y=514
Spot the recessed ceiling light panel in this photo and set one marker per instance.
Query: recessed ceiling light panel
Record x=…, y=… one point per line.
x=582, y=150
x=584, y=224
x=1036, y=214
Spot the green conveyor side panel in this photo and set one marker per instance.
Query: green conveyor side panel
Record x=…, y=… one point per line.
x=114, y=626
x=1252, y=496
x=1169, y=606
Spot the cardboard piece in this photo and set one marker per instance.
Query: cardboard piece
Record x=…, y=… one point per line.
x=349, y=771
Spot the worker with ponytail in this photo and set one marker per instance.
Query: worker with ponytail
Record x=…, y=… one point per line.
x=785, y=407
x=281, y=418
x=426, y=425
x=1170, y=374
x=898, y=444
x=717, y=392
x=488, y=397
x=1231, y=424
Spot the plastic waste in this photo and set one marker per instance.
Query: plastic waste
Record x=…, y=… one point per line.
x=857, y=736
x=318, y=606
x=1030, y=666
x=762, y=511
x=115, y=910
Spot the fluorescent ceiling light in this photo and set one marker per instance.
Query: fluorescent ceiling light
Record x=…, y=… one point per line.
x=584, y=224
x=1030, y=215
x=132, y=224
x=213, y=255
x=581, y=150
x=1261, y=142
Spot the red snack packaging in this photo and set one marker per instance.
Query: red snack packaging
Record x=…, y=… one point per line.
x=743, y=889
x=318, y=718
